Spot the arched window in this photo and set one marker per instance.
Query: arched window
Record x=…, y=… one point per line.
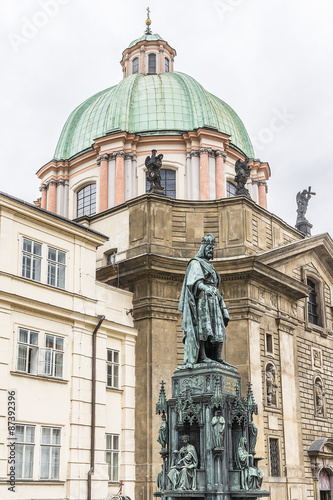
x=135, y=65
x=168, y=182
x=312, y=303
x=324, y=485
x=152, y=64
x=86, y=200
x=231, y=189
x=167, y=65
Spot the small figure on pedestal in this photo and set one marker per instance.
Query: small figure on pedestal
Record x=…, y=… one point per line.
x=251, y=476
x=154, y=165
x=271, y=385
x=163, y=433
x=218, y=425
x=319, y=398
x=183, y=470
x=302, y=200
x=243, y=172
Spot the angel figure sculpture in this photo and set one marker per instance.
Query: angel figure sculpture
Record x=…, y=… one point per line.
x=154, y=164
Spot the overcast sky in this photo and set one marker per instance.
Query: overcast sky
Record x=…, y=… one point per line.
x=271, y=60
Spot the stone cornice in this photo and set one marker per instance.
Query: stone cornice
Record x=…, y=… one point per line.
x=285, y=325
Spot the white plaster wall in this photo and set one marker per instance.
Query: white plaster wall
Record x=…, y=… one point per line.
x=65, y=403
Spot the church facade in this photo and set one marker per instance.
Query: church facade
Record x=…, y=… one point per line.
x=277, y=283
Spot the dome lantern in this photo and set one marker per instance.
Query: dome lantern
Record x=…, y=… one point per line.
x=149, y=55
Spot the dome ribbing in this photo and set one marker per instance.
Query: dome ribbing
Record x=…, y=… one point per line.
x=167, y=104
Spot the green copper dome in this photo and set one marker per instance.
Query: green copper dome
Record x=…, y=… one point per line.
x=167, y=104
x=146, y=37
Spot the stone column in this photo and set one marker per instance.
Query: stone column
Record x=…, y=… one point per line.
x=219, y=173
x=52, y=196
x=188, y=176
x=103, y=161
x=120, y=177
x=161, y=61
x=43, y=190
x=290, y=392
x=142, y=61
x=262, y=193
x=60, y=196
x=66, y=197
x=129, y=177
x=204, y=174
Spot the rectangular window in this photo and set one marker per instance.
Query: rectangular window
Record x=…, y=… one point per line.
x=27, y=354
x=50, y=453
x=269, y=343
x=56, y=265
x=112, y=368
x=274, y=457
x=112, y=456
x=167, y=65
x=24, y=451
x=312, y=303
x=31, y=259
x=51, y=359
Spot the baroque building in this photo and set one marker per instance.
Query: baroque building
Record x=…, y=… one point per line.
x=277, y=283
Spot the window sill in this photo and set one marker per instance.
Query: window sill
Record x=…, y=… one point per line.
x=35, y=481
x=45, y=378
x=310, y=327
x=272, y=409
x=113, y=389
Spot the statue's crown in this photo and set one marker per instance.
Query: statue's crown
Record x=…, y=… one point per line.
x=208, y=239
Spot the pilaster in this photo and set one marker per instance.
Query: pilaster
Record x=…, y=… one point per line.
x=120, y=177
x=219, y=173
x=103, y=161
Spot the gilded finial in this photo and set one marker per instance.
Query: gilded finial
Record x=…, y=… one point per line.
x=148, y=22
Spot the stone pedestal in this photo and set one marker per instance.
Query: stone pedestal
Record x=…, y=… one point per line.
x=206, y=405
x=304, y=226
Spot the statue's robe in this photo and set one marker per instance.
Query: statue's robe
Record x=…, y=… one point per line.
x=183, y=475
x=203, y=315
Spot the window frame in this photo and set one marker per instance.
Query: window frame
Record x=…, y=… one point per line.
x=274, y=438
x=317, y=279
x=51, y=446
x=228, y=192
x=92, y=204
x=112, y=452
x=164, y=182
x=25, y=444
x=111, y=365
x=57, y=266
x=136, y=62
x=166, y=65
x=34, y=259
x=152, y=66
x=30, y=348
x=55, y=354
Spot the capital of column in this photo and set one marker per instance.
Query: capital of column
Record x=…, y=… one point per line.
x=121, y=152
x=161, y=50
x=52, y=182
x=61, y=182
x=129, y=156
x=263, y=183
x=194, y=152
x=142, y=51
x=205, y=150
x=102, y=157
x=219, y=152
x=43, y=187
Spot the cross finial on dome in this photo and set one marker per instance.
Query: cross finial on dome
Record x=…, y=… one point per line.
x=148, y=22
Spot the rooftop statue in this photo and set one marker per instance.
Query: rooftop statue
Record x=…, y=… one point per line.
x=302, y=200
x=243, y=172
x=154, y=165
x=205, y=315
